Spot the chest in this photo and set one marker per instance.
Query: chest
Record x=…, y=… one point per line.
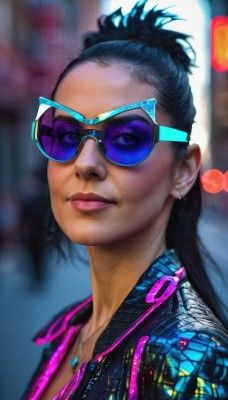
x=108, y=378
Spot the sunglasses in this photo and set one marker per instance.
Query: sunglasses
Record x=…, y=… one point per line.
x=126, y=138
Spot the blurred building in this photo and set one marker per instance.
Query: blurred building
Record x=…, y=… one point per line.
x=219, y=93
x=219, y=83
x=37, y=38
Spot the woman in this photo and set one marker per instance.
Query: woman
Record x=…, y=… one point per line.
x=128, y=189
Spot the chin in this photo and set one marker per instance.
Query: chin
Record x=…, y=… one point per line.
x=98, y=239
x=86, y=238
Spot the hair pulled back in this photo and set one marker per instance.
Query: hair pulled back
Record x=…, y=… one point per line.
x=159, y=57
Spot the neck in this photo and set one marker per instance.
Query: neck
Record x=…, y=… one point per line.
x=115, y=270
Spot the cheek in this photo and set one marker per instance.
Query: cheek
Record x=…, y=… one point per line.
x=57, y=176
x=52, y=179
x=151, y=179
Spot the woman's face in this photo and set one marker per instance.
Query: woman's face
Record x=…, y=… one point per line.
x=94, y=201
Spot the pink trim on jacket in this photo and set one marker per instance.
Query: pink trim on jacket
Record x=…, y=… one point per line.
x=53, y=332
x=150, y=298
x=53, y=363
x=72, y=385
x=133, y=387
x=41, y=383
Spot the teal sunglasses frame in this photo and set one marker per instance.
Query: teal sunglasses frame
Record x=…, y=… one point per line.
x=161, y=133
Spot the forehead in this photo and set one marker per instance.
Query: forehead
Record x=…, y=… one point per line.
x=92, y=89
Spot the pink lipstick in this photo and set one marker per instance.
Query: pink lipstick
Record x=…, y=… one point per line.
x=89, y=202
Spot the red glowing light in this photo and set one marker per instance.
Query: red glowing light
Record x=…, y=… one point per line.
x=225, y=182
x=219, y=43
x=213, y=181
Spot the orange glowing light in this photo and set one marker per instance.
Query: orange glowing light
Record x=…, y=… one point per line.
x=219, y=43
x=225, y=181
x=213, y=181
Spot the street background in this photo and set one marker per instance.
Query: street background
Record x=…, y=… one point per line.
x=37, y=39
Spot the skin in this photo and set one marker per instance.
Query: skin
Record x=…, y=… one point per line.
x=123, y=239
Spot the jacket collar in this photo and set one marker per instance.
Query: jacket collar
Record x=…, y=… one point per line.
x=135, y=303
x=126, y=316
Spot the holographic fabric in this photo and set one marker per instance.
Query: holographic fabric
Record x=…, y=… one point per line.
x=151, y=349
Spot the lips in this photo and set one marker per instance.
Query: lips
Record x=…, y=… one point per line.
x=88, y=202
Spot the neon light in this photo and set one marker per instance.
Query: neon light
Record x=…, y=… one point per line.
x=133, y=388
x=219, y=43
x=41, y=383
x=59, y=326
x=225, y=182
x=212, y=181
x=72, y=385
x=179, y=275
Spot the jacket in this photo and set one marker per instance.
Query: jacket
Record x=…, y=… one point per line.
x=162, y=343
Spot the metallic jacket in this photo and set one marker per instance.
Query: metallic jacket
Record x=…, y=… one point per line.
x=162, y=343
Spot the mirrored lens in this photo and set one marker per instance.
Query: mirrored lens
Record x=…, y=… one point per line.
x=59, y=136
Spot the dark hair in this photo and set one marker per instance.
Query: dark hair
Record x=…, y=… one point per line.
x=161, y=58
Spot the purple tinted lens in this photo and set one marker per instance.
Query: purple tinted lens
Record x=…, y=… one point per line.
x=59, y=137
x=129, y=142
x=125, y=141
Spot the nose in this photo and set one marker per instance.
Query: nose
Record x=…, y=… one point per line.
x=90, y=163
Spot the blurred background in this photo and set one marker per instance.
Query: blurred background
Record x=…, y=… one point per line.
x=37, y=39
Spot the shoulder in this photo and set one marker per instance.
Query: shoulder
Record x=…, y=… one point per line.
x=185, y=311
x=76, y=313
x=191, y=363
x=186, y=353
x=193, y=312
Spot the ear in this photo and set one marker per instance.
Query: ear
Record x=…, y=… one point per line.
x=186, y=172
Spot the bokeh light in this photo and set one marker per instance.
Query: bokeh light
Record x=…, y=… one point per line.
x=212, y=181
x=225, y=182
x=219, y=43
